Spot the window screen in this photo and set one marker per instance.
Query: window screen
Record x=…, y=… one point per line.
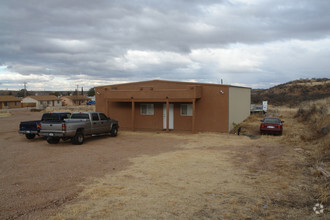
x=186, y=110
x=147, y=109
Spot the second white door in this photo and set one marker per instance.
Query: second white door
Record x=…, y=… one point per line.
x=171, y=116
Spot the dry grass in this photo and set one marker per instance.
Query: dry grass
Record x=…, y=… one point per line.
x=212, y=176
x=312, y=83
x=80, y=108
x=218, y=176
x=4, y=113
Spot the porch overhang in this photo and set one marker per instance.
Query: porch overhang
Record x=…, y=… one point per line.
x=150, y=94
x=149, y=100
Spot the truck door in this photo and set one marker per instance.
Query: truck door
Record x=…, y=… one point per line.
x=105, y=123
x=96, y=124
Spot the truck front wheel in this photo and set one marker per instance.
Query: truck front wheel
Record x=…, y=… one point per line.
x=114, y=131
x=53, y=140
x=78, y=139
x=30, y=136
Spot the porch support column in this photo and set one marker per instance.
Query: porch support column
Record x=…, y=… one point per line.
x=167, y=115
x=107, y=108
x=193, y=116
x=133, y=111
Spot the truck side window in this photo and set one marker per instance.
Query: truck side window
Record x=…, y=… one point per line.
x=95, y=117
x=103, y=117
x=80, y=116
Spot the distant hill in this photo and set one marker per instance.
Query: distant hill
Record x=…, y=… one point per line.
x=293, y=93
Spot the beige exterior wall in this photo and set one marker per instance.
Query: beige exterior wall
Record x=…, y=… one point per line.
x=42, y=104
x=239, y=105
x=30, y=100
x=73, y=100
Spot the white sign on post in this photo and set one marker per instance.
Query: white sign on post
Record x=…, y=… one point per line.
x=264, y=106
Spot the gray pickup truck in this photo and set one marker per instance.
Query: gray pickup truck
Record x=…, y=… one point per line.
x=79, y=125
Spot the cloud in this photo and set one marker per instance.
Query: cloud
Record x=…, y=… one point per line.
x=246, y=42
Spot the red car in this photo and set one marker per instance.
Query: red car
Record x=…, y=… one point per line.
x=271, y=125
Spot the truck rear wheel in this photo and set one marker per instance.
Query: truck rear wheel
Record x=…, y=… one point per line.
x=78, y=139
x=53, y=140
x=30, y=136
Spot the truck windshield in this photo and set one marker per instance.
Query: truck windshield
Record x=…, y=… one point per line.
x=80, y=116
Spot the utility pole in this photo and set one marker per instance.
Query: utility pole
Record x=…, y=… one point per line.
x=25, y=89
x=77, y=94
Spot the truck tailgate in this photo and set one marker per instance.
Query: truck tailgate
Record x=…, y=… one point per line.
x=51, y=126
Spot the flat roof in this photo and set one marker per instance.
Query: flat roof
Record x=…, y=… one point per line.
x=177, y=82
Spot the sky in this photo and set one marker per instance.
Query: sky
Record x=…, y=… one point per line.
x=60, y=44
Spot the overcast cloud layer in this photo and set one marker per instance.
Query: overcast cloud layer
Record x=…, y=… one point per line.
x=58, y=44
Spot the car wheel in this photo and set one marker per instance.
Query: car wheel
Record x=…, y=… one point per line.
x=53, y=140
x=30, y=136
x=78, y=139
x=114, y=131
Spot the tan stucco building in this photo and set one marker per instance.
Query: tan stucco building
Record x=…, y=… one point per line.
x=42, y=101
x=8, y=101
x=74, y=100
x=169, y=105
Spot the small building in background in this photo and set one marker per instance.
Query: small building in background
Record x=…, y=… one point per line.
x=42, y=101
x=74, y=100
x=9, y=101
x=170, y=105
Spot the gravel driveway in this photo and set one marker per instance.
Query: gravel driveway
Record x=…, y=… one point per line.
x=36, y=178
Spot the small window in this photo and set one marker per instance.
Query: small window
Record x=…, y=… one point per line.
x=95, y=117
x=16, y=103
x=147, y=109
x=103, y=117
x=5, y=103
x=186, y=110
x=80, y=116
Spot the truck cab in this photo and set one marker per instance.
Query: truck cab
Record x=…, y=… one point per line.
x=79, y=125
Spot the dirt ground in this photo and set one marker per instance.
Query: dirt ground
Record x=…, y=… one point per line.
x=140, y=175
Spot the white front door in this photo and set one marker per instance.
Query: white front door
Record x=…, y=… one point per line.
x=171, y=118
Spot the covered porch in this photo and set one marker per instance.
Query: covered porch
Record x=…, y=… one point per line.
x=152, y=96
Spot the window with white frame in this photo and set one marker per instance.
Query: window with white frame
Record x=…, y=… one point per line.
x=186, y=110
x=147, y=109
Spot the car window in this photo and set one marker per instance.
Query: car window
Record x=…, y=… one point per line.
x=272, y=120
x=103, y=117
x=95, y=117
x=80, y=116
